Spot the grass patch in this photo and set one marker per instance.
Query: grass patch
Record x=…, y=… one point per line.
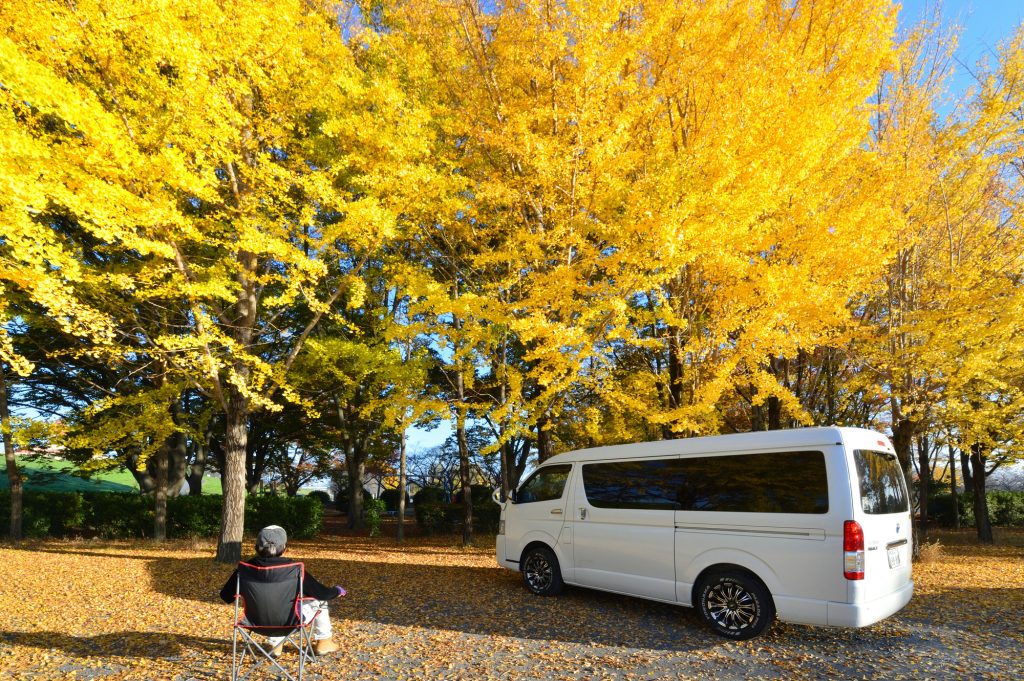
x=55, y=475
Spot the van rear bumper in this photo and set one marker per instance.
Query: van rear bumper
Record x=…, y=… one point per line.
x=863, y=614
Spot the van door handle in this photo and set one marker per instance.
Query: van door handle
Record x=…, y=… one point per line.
x=556, y=511
x=583, y=514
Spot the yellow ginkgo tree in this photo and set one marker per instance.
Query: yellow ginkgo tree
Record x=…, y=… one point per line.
x=680, y=188
x=247, y=151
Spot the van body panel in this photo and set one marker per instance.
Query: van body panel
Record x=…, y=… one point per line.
x=797, y=555
x=715, y=555
x=653, y=534
x=887, y=536
x=538, y=521
x=626, y=550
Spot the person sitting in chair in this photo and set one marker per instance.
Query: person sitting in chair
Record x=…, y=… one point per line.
x=270, y=545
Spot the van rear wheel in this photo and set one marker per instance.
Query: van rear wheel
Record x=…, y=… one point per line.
x=735, y=604
x=541, y=572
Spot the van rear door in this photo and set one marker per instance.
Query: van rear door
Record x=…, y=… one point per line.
x=884, y=515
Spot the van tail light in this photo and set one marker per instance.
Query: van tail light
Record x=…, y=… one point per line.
x=853, y=550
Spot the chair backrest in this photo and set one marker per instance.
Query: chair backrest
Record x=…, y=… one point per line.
x=271, y=596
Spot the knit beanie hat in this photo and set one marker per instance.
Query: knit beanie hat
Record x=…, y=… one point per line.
x=271, y=540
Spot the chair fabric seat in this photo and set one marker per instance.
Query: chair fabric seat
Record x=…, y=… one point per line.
x=268, y=603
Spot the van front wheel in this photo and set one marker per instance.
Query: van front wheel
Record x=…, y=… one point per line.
x=541, y=572
x=736, y=605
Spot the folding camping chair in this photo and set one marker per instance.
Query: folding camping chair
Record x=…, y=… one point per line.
x=268, y=602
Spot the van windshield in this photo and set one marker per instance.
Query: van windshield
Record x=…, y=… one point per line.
x=882, y=489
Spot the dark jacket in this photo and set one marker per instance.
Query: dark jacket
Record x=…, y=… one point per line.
x=311, y=588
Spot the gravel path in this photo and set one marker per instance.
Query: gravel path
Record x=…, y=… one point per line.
x=432, y=610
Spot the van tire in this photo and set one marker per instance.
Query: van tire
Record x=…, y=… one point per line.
x=736, y=604
x=541, y=573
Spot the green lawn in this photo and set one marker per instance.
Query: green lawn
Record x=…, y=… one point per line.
x=58, y=476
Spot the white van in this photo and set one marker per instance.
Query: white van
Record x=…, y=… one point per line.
x=812, y=525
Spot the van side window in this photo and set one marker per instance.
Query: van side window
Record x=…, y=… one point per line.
x=785, y=482
x=648, y=484
x=782, y=482
x=881, y=483
x=544, y=485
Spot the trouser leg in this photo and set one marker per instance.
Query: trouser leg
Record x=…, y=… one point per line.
x=321, y=622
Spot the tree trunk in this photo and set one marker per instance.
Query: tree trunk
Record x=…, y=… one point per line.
x=160, y=496
x=953, y=490
x=545, y=450
x=197, y=468
x=401, y=488
x=13, y=474
x=774, y=413
x=902, y=441
x=925, y=478
x=676, y=370
x=965, y=471
x=356, y=467
x=508, y=453
x=464, y=479
x=981, y=520
x=146, y=479
x=232, y=523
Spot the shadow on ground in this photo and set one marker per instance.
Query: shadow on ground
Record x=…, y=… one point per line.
x=489, y=601
x=152, y=645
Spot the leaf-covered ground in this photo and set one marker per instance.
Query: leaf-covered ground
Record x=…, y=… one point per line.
x=430, y=609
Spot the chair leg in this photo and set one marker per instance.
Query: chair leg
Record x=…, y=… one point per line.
x=261, y=656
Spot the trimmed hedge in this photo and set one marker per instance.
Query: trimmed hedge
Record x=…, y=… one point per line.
x=128, y=516
x=1005, y=509
x=390, y=498
x=434, y=516
x=341, y=499
x=323, y=496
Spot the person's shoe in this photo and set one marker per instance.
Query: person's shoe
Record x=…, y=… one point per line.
x=325, y=646
x=277, y=650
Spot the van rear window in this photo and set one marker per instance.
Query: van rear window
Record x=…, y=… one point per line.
x=778, y=482
x=882, y=489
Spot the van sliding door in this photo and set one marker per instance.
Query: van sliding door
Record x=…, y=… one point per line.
x=623, y=529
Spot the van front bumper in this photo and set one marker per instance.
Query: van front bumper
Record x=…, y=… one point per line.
x=863, y=614
x=499, y=554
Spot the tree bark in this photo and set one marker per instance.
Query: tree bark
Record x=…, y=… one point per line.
x=902, y=441
x=232, y=524
x=953, y=490
x=355, y=464
x=160, y=496
x=13, y=474
x=545, y=449
x=197, y=469
x=464, y=479
x=401, y=487
x=965, y=471
x=924, y=478
x=981, y=519
x=507, y=454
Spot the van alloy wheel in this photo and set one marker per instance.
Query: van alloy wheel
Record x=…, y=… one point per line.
x=731, y=606
x=736, y=605
x=541, y=572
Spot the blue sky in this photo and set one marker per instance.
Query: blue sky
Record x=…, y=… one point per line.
x=984, y=24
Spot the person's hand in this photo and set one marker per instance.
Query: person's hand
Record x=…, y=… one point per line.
x=341, y=591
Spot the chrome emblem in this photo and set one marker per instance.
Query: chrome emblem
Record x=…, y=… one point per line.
x=897, y=528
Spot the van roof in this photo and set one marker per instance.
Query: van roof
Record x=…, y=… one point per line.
x=721, y=444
